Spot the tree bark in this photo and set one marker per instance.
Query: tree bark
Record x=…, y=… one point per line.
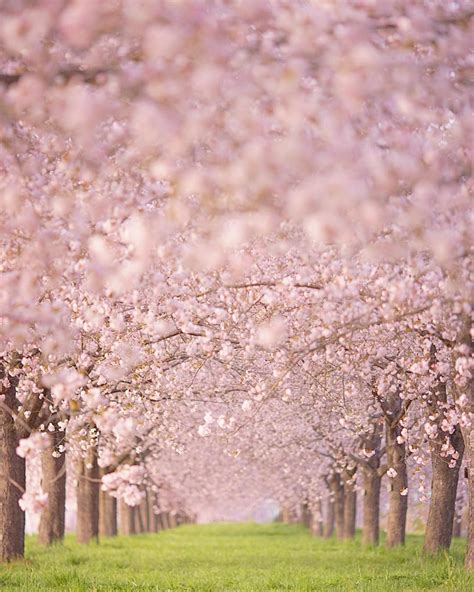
x=466, y=342
x=139, y=519
x=107, y=515
x=398, y=500
x=337, y=488
x=339, y=509
x=88, y=490
x=144, y=515
x=127, y=522
x=154, y=513
x=369, y=461
x=161, y=522
x=371, y=518
x=148, y=509
x=444, y=485
x=156, y=523
x=305, y=514
x=285, y=515
x=12, y=480
x=52, y=521
x=457, y=526
x=330, y=519
x=350, y=503
x=469, y=441
x=151, y=498
x=460, y=512
x=317, y=520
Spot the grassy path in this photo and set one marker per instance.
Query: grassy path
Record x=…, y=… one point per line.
x=232, y=557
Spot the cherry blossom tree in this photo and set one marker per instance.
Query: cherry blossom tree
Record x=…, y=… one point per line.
x=236, y=247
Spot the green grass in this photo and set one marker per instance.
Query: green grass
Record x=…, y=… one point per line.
x=233, y=557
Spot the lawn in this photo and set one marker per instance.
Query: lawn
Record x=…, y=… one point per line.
x=232, y=557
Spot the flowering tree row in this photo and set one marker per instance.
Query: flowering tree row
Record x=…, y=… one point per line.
x=236, y=262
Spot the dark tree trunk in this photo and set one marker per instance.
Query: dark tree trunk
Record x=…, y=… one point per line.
x=370, y=459
x=88, y=490
x=330, y=519
x=339, y=509
x=444, y=485
x=305, y=514
x=144, y=515
x=127, y=522
x=350, y=510
x=151, y=498
x=12, y=480
x=398, y=500
x=139, y=519
x=160, y=521
x=469, y=441
x=156, y=523
x=350, y=504
x=465, y=340
x=52, y=521
x=371, y=518
x=107, y=515
x=337, y=488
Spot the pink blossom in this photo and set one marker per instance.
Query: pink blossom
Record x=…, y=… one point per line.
x=33, y=502
x=32, y=445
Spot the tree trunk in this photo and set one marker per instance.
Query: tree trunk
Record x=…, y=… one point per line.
x=139, y=519
x=12, y=481
x=459, y=513
x=350, y=504
x=372, y=477
x=144, y=510
x=317, y=520
x=469, y=441
x=337, y=488
x=151, y=511
x=466, y=342
x=370, y=526
x=330, y=518
x=52, y=521
x=127, y=521
x=305, y=515
x=156, y=523
x=88, y=490
x=161, y=521
x=107, y=515
x=398, y=500
x=285, y=515
x=444, y=485
x=457, y=524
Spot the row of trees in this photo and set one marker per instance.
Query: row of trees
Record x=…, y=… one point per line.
x=312, y=429
x=236, y=262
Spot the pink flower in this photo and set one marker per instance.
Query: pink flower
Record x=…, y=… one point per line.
x=35, y=443
x=33, y=502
